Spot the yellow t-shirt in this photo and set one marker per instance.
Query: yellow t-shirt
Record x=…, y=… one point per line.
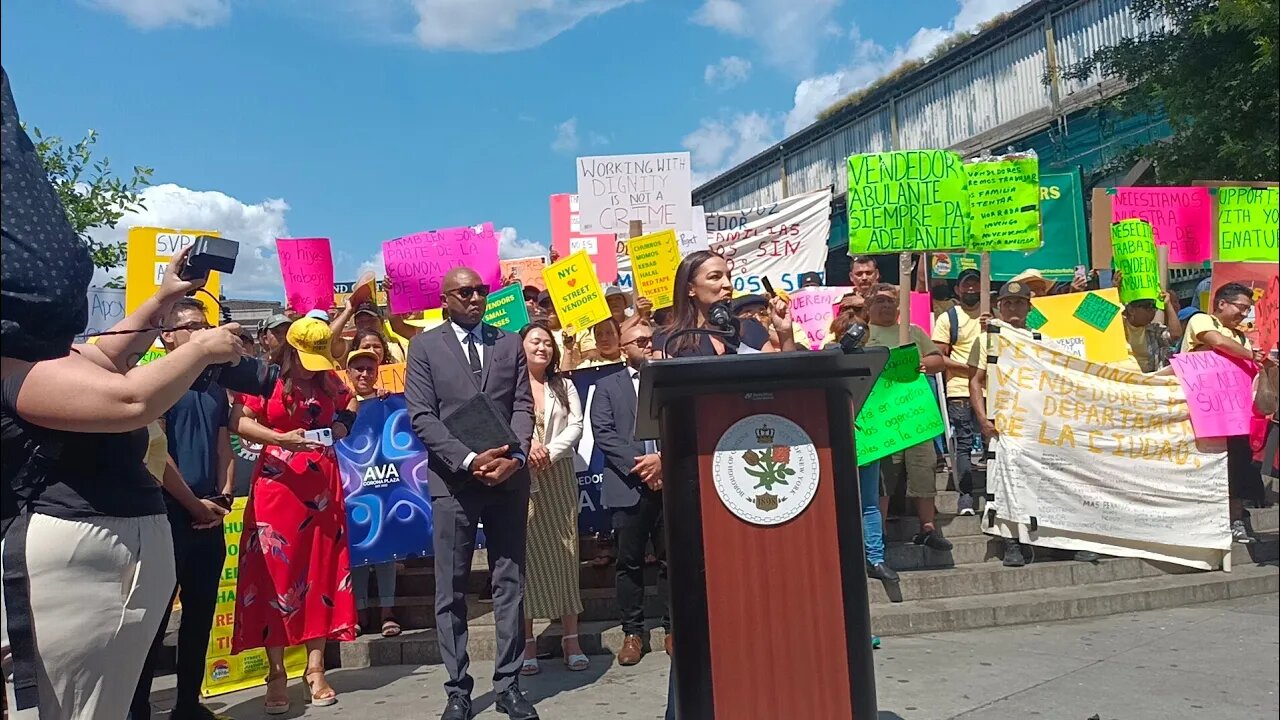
x=1202, y=323
x=968, y=332
x=1136, y=336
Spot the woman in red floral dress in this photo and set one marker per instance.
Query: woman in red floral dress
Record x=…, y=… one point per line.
x=294, y=583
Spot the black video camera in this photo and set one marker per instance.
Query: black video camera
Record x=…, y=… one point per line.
x=208, y=254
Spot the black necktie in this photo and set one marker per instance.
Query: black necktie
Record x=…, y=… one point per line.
x=473, y=353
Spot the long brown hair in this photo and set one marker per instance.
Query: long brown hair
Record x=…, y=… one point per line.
x=362, y=334
x=684, y=313
x=552, y=379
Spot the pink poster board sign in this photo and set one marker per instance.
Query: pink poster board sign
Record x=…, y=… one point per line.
x=1181, y=218
x=1219, y=392
x=306, y=264
x=416, y=264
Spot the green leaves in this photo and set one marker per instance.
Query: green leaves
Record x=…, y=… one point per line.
x=770, y=473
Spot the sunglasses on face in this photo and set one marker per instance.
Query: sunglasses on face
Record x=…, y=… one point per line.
x=467, y=292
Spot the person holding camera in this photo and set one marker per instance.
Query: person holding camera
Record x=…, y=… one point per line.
x=294, y=585
x=199, y=455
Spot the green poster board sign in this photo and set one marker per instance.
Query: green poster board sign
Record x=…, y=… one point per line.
x=1066, y=238
x=505, y=309
x=907, y=200
x=900, y=412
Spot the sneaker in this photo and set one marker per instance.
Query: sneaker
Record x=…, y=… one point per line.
x=1239, y=533
x=964, y=504
x=933, y=540
x=1013, y=556
x=875, y=642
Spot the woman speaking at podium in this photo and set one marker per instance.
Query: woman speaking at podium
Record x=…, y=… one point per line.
x=703, y=290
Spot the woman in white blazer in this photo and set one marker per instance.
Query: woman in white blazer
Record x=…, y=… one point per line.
x=551, y=554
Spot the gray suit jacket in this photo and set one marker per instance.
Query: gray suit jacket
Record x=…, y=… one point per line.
x=438, y=380
x=613, y=423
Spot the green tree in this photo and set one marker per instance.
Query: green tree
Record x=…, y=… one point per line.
x=1211, y=68
x=92, y=195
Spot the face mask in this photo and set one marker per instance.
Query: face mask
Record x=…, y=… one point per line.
x=970, y=298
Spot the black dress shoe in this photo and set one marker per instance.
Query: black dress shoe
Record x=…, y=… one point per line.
x=459, y=708
x=881, y=571
x=513, y=704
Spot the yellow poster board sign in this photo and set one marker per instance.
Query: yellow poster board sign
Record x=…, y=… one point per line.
x=654, y=259
x=149, y=251
x=1091, y=318
x=224, y=672
x=575, y=292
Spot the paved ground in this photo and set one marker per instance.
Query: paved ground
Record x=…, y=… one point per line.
x=1214, y=661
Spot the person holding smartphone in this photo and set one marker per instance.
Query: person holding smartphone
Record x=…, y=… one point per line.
x=294, y=585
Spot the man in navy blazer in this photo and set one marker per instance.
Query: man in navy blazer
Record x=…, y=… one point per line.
x=446, y=368
x=632, y=489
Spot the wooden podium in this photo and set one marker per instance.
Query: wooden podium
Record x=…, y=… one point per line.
x=764, y=532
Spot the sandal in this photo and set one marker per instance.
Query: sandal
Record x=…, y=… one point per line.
x=530, y=664
x=576, y=662
x=326, y=695
x=390, y=628
x=277, y=707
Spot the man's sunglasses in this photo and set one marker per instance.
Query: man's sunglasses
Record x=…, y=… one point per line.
x=467, y=292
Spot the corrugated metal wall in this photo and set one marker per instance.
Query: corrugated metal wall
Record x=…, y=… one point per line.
x=999, y=86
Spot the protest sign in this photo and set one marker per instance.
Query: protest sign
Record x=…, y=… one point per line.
x=506, y=310
x=813, y=309
x=1268, y=316
x=224, y=672
x=416, y=264
x=1248, y=224
x=588, y=460
x=922, y=311
x=527, y=271
x=567, y=238
x=696, y=238
x=1181, y=218
x=654, y=259
x=1095, y=457
x=575, y=292
x=1004, y=197
x=907, y=200
x=780, y=241
x=1219, y=390
x=1094, y=317
x=900, y=412
x=1133, y=251
x=344, y=290
x=307, y=267
x=1254, y=276
x=655, y=189
x=149, y=250
x=383, y=466
x=106, y=308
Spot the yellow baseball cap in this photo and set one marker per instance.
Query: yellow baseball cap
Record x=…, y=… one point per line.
x=311, y=338
x=361, y=352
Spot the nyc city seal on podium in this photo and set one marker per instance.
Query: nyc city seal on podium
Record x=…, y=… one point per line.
x=765, y=469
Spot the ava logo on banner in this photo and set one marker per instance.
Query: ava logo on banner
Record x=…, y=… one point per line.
x=588, y=463
x=1096, y=457
x=780, y=241
x=106, y=308
x=384, y=482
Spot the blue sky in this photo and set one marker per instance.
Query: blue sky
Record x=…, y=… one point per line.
x=365, y=120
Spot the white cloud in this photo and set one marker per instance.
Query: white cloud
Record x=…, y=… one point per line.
x=566, y=140
x=730, y=71
x=511, y=245
x=724, y=15
x=718, y=145
x=152, y=14
x=789, y=31
x=375, y=264
x=500, y=25
x=255, y=226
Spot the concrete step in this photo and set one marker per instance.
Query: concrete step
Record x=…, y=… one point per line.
x=417, y=612
x=419, y=647
x=966, y=550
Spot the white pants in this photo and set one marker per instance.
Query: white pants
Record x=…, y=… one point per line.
x=99, y=587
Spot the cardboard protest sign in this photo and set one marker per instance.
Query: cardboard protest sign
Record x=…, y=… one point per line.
x=1248, y=224
x=1004, y=197
x=1133, y=251
x=106, y=308
x=696, y=238
x=416, y=264
x=1094, y=317
x=1219, y=390
x=900, y=412
x=813, y=310
x=149, y=250
x=224, y=672
x=567, y=238
x=1254, y=276
x=576, y=293
x=654, y=259
x=307, y=267
x=906, y=201
x=527, y=271
x=344, y=290
x=1268, y=316
x=506, y=309
x=1181, y=218
x=1091, y=457
x=383, y=466
x=655, y=189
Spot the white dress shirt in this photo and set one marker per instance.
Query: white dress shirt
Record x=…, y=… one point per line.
x=476, y=333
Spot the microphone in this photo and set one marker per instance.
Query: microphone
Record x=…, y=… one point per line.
x=720, y=316
x=854, y=338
